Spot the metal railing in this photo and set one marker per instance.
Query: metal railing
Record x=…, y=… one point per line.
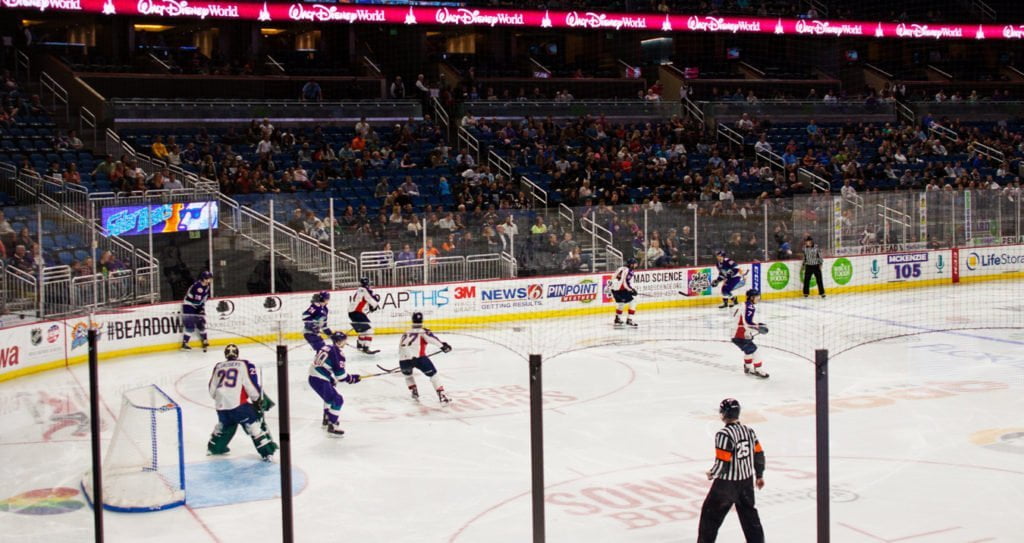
x=982, y=9
x=86, y=118
x=890, y=215
x=772, y=158
x=904, y=112
x=693, y=110
x=22, y=63
x=441, y=115
x=49, y=87
x=986, y=151
x=19, y=290
x=943, y=132
x=730, y=135
x=469, y=141
x=535, y=192
x=814, y=179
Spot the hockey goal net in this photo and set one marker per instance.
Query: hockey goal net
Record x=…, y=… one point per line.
x=143, y=468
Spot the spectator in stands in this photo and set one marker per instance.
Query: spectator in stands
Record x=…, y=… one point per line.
x=397, y=89
x=422, y=90
x=449, y=247
x=655, y=254
x=22, y=259
x=172, y=183
x=24, y=238
x=763, y=145
x=409, y=187
x=431, y=252
x=71, y=175
x=538, y=228
x=829, y=98
x=105, y=167
x=5, y=227
x=413, y=227
x=311, y=92
x=266, y=129
x=158, y=148
x=405, y=256
x=319, y=232
x=83, y=268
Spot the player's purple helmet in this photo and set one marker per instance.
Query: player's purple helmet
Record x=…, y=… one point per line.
x=204, y=275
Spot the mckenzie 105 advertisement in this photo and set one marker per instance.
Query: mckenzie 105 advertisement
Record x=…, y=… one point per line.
x=161, y=218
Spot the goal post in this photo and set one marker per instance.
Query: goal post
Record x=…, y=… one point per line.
x=143, y=468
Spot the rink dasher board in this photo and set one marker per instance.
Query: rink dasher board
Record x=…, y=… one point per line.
x=45, y=345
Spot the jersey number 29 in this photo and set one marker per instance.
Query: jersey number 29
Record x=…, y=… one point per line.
x=227, y=378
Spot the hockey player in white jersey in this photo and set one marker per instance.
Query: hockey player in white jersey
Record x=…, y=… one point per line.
x=624, y=293
x=412, y=352
x=746, y=330
x=239, y=399
x=364, y=301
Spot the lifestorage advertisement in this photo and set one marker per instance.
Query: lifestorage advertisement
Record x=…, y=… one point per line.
x=38, y=346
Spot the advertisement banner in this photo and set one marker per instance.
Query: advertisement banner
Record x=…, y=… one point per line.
x=356, y=13
x=160, y=219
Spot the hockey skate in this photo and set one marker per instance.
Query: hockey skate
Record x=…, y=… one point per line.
x=725, y=304
x=326, y=421
x=756, y=372
x=630, y=323
x=442, y=396
x=333, y=430
x=618, y=321
x=366, y=349
x=414, y=391
x=185, y=347
x=733, y=302
x=206, y=344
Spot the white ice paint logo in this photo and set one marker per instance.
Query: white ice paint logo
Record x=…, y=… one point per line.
x=318, y=12
x=171, y=8
x=463, y=16
x=924, y=31
x=43, y=5
x=1013, y=32
x=820, y=28
x=718, y=24
x=601, y=20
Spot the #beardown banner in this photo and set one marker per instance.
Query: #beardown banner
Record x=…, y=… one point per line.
x=449, y=16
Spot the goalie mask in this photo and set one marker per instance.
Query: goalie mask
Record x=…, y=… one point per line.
x=231, y=352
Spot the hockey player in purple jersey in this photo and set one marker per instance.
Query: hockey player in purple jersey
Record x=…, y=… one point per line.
x=327, y=370
x=239, y=400
x=314, y=320
x=729, y=275
x=193, y=310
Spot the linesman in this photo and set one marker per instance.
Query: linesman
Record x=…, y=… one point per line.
x=739, y=465
x=812, y=267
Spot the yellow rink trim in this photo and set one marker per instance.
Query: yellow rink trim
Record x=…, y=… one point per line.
x=481, y=322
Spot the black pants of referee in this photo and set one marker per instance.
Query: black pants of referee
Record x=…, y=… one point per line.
x=722, y=496
x=816, y=272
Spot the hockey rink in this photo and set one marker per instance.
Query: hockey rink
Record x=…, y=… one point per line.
x=927, y=437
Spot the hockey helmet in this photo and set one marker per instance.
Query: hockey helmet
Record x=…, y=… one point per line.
x=231, y=352
x=417, y=319
x=729, y=408
x=720, y=253
x=339, y=338
x=323, y=297
x=631, y=263
x=752, y=292
x=204, y=275
x=364, y=282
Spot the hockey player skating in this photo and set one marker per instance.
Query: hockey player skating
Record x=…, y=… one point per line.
x=238, y=394
x=412, y=352
x=193, y=310
x=314, y=320
x=327, y=370
x=746, y=329
x=624, y=293
x=730, y=277
x=364, y=301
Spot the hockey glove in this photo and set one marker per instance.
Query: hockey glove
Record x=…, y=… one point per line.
x=326, y=331
x=264, y=404
x=633, y=291
x=376, y=297
x=445, y=348
x=353, y=378
x=716, y=281
x=762, y=328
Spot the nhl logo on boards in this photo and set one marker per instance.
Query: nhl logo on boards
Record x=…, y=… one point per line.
x=37, y=336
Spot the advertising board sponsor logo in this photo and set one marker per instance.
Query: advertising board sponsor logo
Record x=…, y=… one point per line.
x=52, y=333
x=778, y=275
x=465, y=292
x=80, y=333
x=842, y=271
x=825, y=28
x=875, y=268
x=172, y=8
x=601, y=20
x=9, y=356
x=144, y=327
x=272, y=304
x=657, y=282
x=417, y=298
x=976, y=261
x=463, y=16
x=904, y=265
x=36, y=336
x=225, y=308
x=322, y=13
x=698, y=282
x=43, y=5
x=924, y=31
x=719, y=24
x=521, y=296
x=755, y=271
x=584, y=291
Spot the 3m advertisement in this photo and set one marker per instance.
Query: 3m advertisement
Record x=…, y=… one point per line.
x=160, y=219
x=27, y=348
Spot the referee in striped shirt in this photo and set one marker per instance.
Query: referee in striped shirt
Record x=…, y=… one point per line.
x=812, y=267
x=739, y=465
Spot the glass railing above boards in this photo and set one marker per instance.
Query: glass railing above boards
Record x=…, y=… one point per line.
x=142, y=112
x=803, y=110
x=619, y=109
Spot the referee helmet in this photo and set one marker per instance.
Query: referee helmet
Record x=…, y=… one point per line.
x=729, y=408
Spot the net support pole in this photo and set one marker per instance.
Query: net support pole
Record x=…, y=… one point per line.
x=331, y=224
x=537, y=447
x=821, y=439
x=285, y=435
x=273, y=281
x=765, y=205
x=94, y=423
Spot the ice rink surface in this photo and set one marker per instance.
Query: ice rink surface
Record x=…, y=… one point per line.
x=927, y=433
